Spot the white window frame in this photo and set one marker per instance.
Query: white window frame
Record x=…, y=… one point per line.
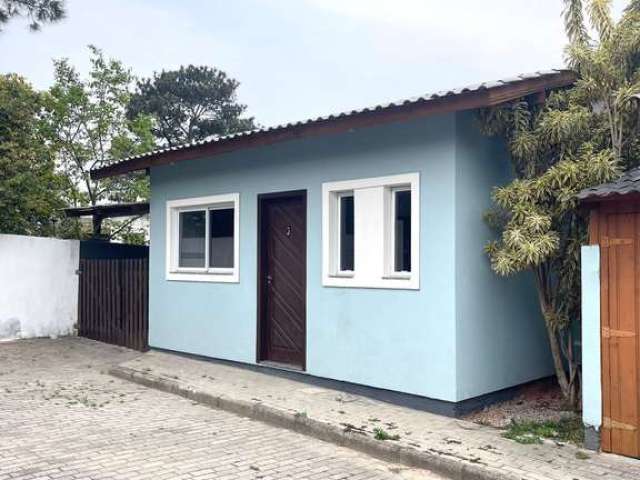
x=373, y=233
x=206, y=273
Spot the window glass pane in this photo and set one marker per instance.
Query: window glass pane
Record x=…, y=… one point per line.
x=192, y=230
x=402, y=231
x=346, y=233
x=221, y=238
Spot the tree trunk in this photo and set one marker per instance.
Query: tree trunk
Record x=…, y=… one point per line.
x=97, y=226
x=558, y=364
x=567, y=384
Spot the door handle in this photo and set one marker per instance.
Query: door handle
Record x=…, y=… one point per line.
x=269, y=280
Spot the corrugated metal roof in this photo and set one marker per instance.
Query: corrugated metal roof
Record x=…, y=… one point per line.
x=629, y=182
x=444, y=94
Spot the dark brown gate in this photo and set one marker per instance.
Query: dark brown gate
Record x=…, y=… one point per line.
x=113, y=294
x=282, y=271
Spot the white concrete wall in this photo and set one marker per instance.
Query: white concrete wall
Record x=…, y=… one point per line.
x=38, y=286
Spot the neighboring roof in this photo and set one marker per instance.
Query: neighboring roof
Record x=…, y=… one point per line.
x=628, y=183
x=471, y=97
x=110, y=211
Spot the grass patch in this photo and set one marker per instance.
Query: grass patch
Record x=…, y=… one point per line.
x=568, y=429
x=380, y=434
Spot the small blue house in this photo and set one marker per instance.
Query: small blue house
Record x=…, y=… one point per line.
x=349, y=248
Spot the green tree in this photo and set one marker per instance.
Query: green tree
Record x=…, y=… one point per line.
x=87, y=125
x=37, y=11
x=191, y=103
x=578, y=138
x=31, y=192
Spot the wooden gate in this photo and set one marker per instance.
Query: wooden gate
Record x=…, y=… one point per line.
x=616, y=228
x=113, y=295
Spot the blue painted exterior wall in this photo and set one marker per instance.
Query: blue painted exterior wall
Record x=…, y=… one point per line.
x=500, y=335
x=413, y=341
x=591, y=356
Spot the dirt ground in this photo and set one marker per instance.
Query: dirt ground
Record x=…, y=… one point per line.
x=537, y=402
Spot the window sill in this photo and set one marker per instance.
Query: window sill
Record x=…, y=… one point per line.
x=397, y=276
x=393, y=283
x=342, y=275
x=231, y=277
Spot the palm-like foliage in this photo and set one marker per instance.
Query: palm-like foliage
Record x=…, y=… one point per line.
x=578, y=138
x=600, y=17
x=574, y=22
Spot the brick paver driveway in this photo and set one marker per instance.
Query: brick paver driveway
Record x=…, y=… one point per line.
x=62, y=418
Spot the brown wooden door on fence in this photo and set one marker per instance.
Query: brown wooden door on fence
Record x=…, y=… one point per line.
x=113, y=304
x=619, y=235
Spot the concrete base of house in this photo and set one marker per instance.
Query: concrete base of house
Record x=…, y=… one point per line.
x=591, y=438
x=417, y=402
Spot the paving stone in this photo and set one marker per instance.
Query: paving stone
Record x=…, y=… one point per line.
x=469, y=443
x=62, y=417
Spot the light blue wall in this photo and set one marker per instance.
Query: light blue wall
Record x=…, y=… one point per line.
x=591, y=366
x=464, y=333
x=396, y=339
x=499, y=330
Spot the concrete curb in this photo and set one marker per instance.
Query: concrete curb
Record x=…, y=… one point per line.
x=438, y=462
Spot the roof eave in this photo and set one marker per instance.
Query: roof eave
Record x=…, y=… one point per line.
x=109, y=211
x=466, y=100
x=594, y=200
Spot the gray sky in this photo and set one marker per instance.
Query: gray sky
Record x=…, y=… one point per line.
x=302, y=58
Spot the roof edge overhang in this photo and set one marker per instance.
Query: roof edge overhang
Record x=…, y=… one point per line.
x=109, y=210
x=465, y=99
x=594, y=201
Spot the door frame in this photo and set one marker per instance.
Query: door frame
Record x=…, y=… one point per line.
x=263, y=198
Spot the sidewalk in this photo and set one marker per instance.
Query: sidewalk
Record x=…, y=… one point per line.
x=453, y=447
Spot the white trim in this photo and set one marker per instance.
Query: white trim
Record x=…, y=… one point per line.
x=205, y=274
x=371, y=230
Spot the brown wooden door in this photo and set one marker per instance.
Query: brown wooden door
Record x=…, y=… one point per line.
x=620, y=324
x=282, y=278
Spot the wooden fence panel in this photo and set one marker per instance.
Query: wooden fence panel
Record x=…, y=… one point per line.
x=113, y=303
x=619, y=235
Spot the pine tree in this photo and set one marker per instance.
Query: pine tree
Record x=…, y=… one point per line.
x=37, y=11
